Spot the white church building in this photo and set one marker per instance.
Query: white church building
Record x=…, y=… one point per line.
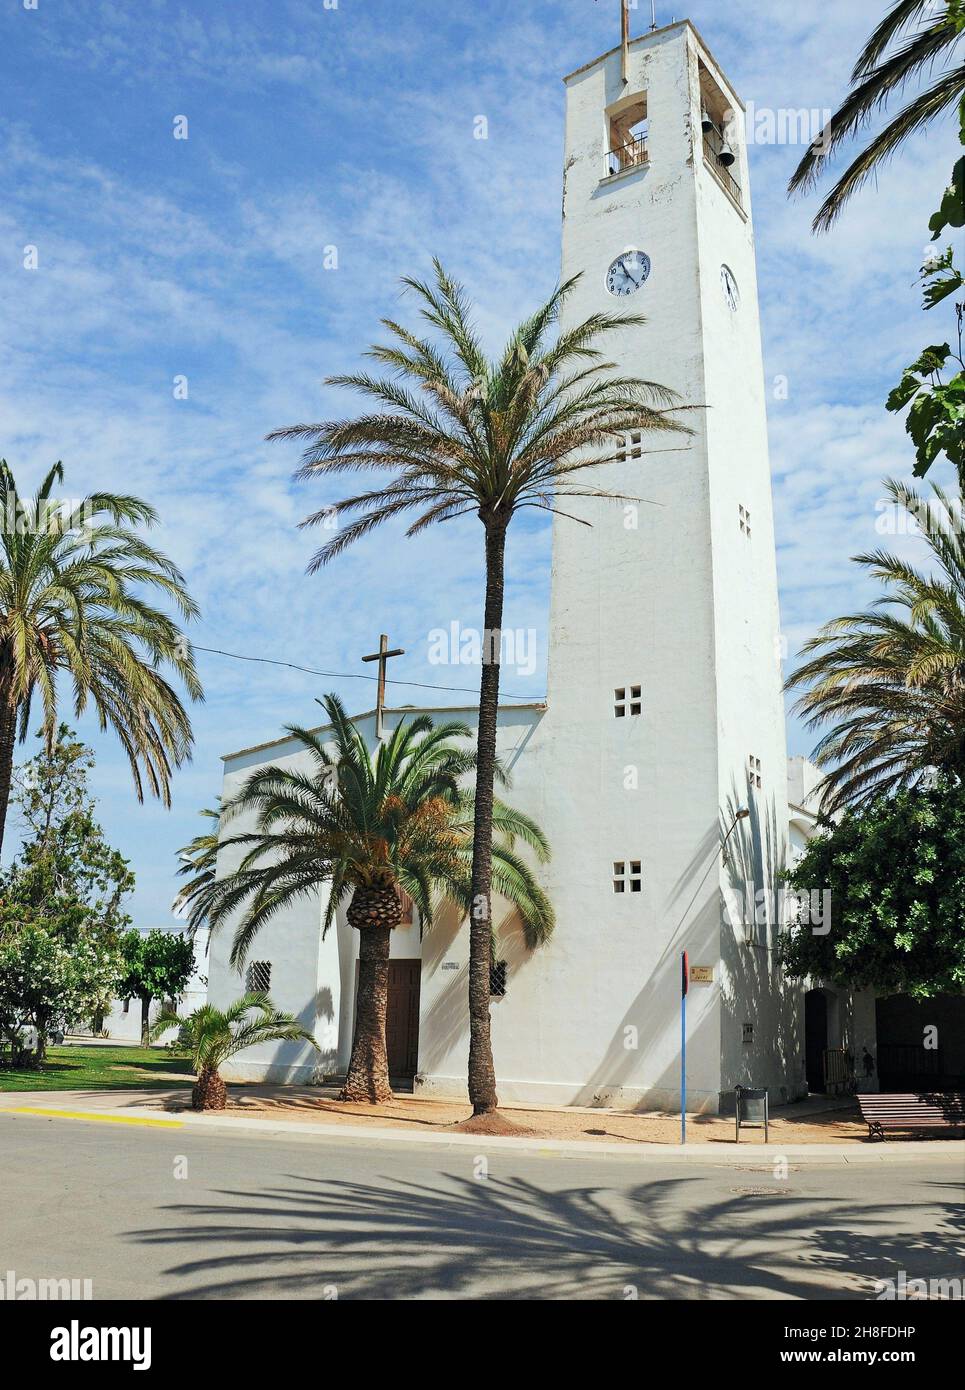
x=664, y=714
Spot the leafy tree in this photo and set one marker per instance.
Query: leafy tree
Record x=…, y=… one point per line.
x=895, y=869
x=49, y=979
x=936, y=420
x=157, y=965
x=216, y=1035
x=64, y=869
x=64, y=856
x=372, y=826
x=52, y=786
x=464, y=435
x=61, y=900
x=73, y=580
x=915, y=38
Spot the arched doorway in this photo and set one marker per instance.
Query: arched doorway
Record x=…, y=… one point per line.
x=815, y=1037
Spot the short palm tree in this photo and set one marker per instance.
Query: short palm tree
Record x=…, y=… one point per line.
x=74, y=579
x=199, y=860
x=914, y=37
x=372, y=826
x=216, y=1035
x=891, y=681
x=465, y=435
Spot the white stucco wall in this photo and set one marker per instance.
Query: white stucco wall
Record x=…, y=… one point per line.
x=292, y=946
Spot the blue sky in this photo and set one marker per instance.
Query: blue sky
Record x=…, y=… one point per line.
x=311, y=127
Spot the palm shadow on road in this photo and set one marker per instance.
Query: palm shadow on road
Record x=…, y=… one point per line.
x=478, y=1237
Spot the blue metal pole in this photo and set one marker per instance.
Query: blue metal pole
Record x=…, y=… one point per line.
x=683, y=1057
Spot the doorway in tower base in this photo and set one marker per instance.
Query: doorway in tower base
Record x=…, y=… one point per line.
x=401, y=1018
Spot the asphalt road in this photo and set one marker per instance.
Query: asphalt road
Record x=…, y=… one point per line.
x=153, y=1213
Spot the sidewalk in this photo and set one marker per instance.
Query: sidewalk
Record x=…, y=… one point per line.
x=168, y=1109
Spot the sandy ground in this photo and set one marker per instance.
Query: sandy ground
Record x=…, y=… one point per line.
x=808, y=1126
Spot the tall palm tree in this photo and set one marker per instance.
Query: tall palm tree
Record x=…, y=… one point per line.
x=891, y=681
x=73, y=584
x=463, y=435
x=913, y=39
x=199, y=859
x=216, y=1035
x=372, y=826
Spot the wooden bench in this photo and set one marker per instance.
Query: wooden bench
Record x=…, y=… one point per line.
x=920, y=1110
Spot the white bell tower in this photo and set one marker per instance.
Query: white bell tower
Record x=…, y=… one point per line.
x=665, y=705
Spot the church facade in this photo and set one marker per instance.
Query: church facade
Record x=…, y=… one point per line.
x=664, y=716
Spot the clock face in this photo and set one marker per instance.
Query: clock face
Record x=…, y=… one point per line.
x=729, y=286
x=628, y=272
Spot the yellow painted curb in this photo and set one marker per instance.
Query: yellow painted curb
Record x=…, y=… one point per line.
x=88, y=1115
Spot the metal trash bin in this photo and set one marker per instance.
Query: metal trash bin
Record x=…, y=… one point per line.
x=750, y=1106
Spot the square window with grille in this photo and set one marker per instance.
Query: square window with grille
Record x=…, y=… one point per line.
x=627, y=876
x=744, y=517
x=753, y=771
x=497, y=978
x=627, y=699
x=258, y=977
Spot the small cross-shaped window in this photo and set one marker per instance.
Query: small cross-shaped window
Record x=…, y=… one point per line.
x=630, y=446
x=627, y=699
x=753, y=771
x=745, y=521
x=627, y=876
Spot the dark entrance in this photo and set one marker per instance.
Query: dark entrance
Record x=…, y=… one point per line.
x=402, y=1018
x=815, y=1037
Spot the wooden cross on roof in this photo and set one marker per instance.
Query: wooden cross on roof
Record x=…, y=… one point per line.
x=382, y=656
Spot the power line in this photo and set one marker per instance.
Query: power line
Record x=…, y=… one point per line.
x=360, y=676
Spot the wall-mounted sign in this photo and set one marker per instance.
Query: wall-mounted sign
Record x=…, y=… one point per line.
x=450, y=965
x=701, y=974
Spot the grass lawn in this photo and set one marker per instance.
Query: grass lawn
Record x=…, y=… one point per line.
x=101, y=1068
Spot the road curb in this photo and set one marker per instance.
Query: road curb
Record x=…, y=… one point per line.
x=51, y=1114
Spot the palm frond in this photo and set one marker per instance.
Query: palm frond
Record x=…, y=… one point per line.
x=890, y=682
x=887, y=63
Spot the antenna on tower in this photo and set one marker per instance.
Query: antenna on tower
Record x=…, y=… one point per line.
x=625, y=54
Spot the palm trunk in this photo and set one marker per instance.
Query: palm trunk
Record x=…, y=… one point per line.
x=374, y=912
x=209, y=1091
x=482, y=1073
x=8, y=741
